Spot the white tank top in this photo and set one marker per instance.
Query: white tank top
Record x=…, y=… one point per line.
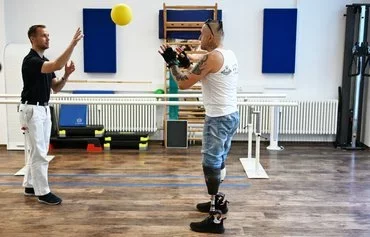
x=219, y=89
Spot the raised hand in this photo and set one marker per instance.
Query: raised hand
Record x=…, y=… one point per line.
x=69, y=69
x=169, y=55
x=77, y=36
x=183, y=58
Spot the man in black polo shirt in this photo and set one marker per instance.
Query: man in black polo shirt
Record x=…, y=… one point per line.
x=38, y=80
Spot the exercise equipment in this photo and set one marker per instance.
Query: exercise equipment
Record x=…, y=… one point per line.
x=92, y=144
x=185, y=22
x=121, y=14
x=73, y=115
x=355, y=65
x=116, y=99
x=159, y=91
x=173, y=110
x=274, y=128
x=252, y=166
x=177, y=24
x=177, y=134
x=145, y=95
x=86, y=131
x=106, y=99
x=126, y=140
x=75, y=137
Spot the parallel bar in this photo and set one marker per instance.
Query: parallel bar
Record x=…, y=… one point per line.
x=184, y=103
x=109, y=81
x=143, y=95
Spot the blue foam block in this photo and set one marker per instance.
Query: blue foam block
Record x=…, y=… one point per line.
x=76, y=115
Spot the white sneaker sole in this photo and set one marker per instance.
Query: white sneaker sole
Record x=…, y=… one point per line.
x=49, y=203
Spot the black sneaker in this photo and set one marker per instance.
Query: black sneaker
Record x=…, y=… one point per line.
x=220, y=204
x=209, y=225
x=50, y=199
x=30, y=192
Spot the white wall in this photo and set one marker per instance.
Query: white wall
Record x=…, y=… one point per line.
x=3, y=129
x=319, y=55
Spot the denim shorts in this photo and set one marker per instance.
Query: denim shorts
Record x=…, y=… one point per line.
x=217, y=135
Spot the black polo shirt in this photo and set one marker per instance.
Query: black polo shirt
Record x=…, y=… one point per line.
x=36, y=85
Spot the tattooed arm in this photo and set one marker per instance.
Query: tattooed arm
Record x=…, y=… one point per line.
x=206, y=65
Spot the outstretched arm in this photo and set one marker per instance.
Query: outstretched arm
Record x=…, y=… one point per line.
x=61, y=61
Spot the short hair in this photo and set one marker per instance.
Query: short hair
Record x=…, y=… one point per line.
x=215, y=26
x=33, y=29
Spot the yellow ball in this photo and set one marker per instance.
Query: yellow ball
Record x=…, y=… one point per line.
x=121, y=14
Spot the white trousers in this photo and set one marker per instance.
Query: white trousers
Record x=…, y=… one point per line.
x=36, y=122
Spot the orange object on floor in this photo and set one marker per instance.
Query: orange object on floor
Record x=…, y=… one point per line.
x=51, y=147
x=93, y=148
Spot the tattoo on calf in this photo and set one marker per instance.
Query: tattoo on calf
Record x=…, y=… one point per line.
x=197, y=70
x=177, y=74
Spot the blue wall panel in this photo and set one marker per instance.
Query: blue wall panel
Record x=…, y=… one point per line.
x=99, y=41
x=279, y=40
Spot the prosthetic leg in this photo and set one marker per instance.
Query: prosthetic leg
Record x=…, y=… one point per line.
x=220, y=201
x=214, y=222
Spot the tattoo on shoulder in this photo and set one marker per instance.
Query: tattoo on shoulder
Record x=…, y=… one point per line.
x=179, y=76
x=197, y=70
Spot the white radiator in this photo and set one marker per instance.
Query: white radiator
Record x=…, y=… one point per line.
x=309, y=117
x=120, y=117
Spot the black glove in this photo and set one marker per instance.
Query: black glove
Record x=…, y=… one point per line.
x=170, y=57
x=183, y=60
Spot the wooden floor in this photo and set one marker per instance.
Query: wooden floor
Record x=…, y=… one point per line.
x=313, y=190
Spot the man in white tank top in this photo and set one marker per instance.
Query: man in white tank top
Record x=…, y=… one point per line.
x=218, y=72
